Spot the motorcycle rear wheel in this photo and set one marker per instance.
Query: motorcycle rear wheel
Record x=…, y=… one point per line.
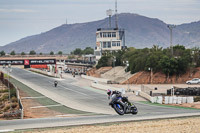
x=134, y=110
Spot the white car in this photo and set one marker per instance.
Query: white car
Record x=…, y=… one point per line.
x=193, y=81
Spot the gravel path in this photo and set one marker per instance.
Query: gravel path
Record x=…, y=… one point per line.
x=179, y=125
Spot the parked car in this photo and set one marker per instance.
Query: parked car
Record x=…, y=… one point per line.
x=193, y=81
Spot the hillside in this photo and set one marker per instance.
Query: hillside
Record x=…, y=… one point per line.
x=140, y=32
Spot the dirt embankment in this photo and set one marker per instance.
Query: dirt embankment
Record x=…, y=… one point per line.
x=144, y=77
x=97, y=72
x=160, y=78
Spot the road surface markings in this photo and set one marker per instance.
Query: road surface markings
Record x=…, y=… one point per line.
x=7, y=130
x=32, y=97
x=46, y=106
x=70, y=89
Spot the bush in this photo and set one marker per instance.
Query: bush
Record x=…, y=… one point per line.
x=6, y=108
x=4, y=97
x=4, y=90
x=197, y=98
x=14, y=99
x=13, y=92
x=14, y=105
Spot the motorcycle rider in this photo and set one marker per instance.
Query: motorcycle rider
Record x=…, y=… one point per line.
x=113, y=95
x=55, y=83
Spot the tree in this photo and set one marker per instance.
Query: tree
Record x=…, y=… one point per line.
x=77, y=51
x=196, y=56
x=12, y=52
x=88, y=50
x=22, y=53
x=60, y=53
x=41, y=53
x=104, y=61
x=2, y=53
x=137, y=62
x=119, y=57
x=169, y=66
x=32, y=52
x=51, y=53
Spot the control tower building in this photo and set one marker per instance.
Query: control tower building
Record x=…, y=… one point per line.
x=109, y=39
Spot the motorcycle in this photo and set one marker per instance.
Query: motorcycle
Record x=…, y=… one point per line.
x=55, y=83
x=122, y=105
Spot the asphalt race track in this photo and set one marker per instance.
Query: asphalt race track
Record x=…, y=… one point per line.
x=83, y=99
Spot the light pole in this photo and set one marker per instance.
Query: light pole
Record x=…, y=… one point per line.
x=114, y=60
x=9, y=71
x=127, y=65
x=171, y=45
x=151, y=69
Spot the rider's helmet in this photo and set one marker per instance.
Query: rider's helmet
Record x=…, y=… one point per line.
x=109, y=91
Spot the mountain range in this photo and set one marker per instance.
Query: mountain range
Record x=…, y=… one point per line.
x=140, y=32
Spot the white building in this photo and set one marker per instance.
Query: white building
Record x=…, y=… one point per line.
x=109, y=39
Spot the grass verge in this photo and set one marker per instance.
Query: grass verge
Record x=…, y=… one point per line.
x=46, y=101
x=164, y=105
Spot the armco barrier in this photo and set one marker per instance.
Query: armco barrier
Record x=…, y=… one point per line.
x=20, y=104
x=94, y=79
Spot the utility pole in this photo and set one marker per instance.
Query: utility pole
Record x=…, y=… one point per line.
x=171, y=44
x=114, y=60
x=116, y=19
x=127, y=65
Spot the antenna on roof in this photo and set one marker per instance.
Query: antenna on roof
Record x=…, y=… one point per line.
x=116, y=19
x=109, y=13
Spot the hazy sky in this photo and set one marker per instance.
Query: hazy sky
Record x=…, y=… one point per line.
x=21, y=18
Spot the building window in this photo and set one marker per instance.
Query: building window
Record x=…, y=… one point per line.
x=104, y=44
x=109, y=34
x=113, y=34
x=113, y=44
x=118, y=43
x=101, y=35
x=104, y=34
x=109, y=44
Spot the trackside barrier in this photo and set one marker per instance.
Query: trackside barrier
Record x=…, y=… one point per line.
x=94, y=79
x=145, y=95
x=171, y=100
x=20, y=104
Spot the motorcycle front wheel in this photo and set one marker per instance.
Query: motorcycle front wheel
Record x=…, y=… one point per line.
x=119, y=108
x=134, y=110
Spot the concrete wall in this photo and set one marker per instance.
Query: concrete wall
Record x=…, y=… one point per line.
x=104, y=87
x=145, y=95
x=94, y=79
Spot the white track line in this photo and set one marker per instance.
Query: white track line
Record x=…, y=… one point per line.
x=46, y=106
x=70, y=89
x=7, y=130
x=32, y=97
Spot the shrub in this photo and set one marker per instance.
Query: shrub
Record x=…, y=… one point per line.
x=13, y=92
x=6, y=108
x=14, y=105
x=14, y=99
x=4, y=90
x=197, y=98
x=4, y=97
